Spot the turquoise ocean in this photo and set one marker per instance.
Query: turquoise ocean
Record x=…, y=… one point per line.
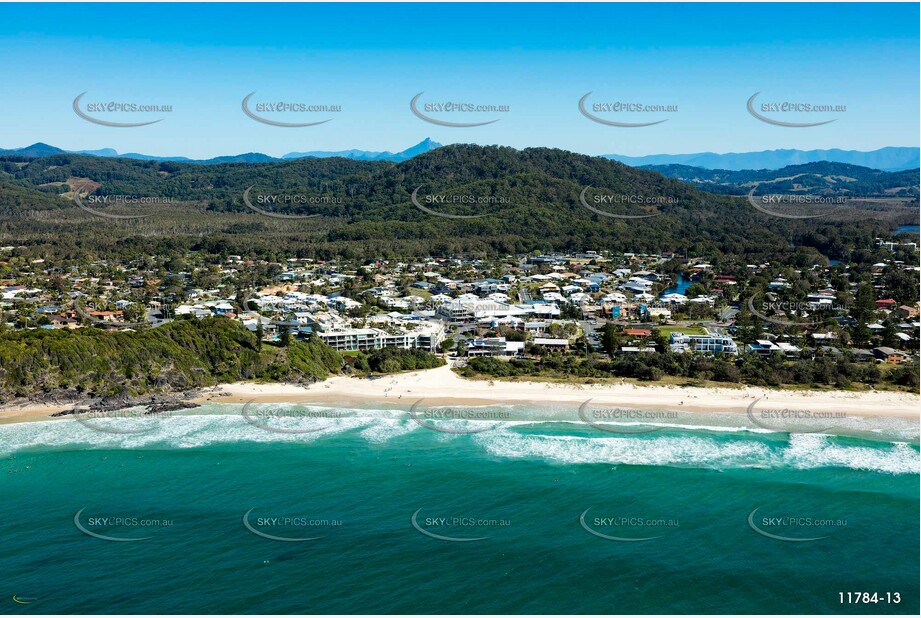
x=366, y=511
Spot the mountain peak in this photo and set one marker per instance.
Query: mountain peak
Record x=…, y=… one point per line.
x=423, y=146
x=369, y=155
x=38, y=149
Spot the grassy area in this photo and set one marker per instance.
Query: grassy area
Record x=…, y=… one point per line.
x=690, y=329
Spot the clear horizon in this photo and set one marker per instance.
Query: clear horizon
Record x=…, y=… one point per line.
x=538, y=60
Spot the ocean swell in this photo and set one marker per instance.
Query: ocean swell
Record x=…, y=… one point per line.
x=565, y=442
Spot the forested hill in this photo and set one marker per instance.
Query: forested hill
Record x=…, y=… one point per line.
x=185, y=354
x=821, y=178
x=181, y=181
x=514, y=201
x=17, y=200
x=449, y=167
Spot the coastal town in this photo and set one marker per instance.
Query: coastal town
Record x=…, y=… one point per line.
x=535, y=305
x=463, y=309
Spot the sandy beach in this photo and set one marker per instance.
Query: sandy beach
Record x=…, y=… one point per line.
x=444, y=387
x=26, y=412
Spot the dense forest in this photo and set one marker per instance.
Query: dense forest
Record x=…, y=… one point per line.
x=818, y=178
x=529, y=201
x=181, y=355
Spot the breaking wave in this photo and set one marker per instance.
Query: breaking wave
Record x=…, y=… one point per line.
x=556, y=440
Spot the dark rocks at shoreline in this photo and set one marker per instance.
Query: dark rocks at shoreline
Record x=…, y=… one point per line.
x=154, y=404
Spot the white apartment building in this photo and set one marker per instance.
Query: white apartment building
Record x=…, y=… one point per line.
x=423, y=335
x=353, y=338
x=706, y=344
x=494, y=346
x=468, y=310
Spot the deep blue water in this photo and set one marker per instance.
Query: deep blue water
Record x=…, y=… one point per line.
x=357, y=482
x=680, y=287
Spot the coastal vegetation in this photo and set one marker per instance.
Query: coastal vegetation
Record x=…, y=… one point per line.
x=391, y=360
x=823, y=372
x=181, y=355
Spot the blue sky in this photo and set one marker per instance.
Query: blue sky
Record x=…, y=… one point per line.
x=538, y=59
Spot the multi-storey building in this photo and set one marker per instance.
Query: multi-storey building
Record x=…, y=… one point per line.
x=706, y=344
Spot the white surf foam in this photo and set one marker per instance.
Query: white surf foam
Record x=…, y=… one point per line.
x=385, y=430
x=503, y=440
x=691, y=451
x=802, y=451
x=170, y=432
x=813, y=451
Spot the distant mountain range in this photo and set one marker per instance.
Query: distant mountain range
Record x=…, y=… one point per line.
x=889, y=159
x=365, y=155
x=820, y=177
x=44, y=150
